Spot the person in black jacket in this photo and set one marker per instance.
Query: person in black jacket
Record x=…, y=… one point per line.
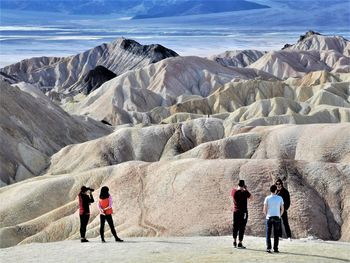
x=85, y=199
x=283, y=192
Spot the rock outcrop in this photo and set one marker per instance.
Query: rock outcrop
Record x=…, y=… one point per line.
x=319, y=199
x=92, y=80
x=7, y=78
x=292, y=63
x=61, y=73
x=237, y=58
x=208, y=138
x=160, y=84
x=315, y=41
x=266, y=98
x=33, y=128
x=313, y=52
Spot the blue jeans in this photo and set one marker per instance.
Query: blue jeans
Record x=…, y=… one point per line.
x=274, y=222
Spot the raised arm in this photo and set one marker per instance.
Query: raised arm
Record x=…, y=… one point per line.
x=250, y=196
x=91, y=198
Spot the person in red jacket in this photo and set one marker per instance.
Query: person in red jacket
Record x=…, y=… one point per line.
x=240, y=195
x=85, y=199
x=106, y=211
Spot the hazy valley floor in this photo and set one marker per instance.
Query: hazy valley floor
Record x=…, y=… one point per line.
x=177, y=249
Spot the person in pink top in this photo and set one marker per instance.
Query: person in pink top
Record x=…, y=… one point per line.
x=105, y=206
x=240, y=195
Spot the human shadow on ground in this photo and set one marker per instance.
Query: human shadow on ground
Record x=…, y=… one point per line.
x=300, y=254
x=156, y=241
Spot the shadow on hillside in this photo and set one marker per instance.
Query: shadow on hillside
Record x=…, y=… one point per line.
x=304, y=255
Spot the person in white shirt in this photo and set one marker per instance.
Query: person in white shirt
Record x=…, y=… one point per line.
x=273, y=209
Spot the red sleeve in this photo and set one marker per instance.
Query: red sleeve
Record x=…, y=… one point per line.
x=233, y=191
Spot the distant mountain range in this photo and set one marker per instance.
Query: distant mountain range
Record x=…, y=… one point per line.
x=134, y=8
x=197, y=7
x=233, y=13
x=76, y=7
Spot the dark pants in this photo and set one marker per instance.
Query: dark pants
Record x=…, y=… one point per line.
x=239, y=222
x=274, y=222
x=84, y=219
x=286, y=225
x=109, y=219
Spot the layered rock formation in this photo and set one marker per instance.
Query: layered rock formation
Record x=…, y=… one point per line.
x=313, y=52
x=209, y=138
x=183, y=88
x=169, y=82
x=315, y=41
x=181, y=133
x=61, y=73
x=237, y=58
x=132, y=98
x=194, y=197
x=33, y=128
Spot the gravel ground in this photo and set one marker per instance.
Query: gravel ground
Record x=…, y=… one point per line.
x=178, y=249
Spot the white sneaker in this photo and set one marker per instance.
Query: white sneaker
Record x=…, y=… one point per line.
x=289, y=239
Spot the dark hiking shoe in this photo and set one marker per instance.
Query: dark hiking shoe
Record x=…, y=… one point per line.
x=268, y=250
x=103, y=241
x=240, y=245
x=234, y=244
x=276, y=251
x=83, y=240
x=119, y=240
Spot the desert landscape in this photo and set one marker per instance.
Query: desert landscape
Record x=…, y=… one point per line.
x=170, y=135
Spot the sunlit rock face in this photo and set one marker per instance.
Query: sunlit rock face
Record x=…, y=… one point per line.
x=33, y=128
x=183, y=197
x=237, y=58
x=61, y=73
x=313, y=52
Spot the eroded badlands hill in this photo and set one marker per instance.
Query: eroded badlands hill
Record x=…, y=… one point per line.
x=119, y=56
x=33, y=128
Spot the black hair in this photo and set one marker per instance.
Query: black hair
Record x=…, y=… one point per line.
x=83, y=189
x=273, y=188
x=104, y=192
x=241, y=183
x=279, y=181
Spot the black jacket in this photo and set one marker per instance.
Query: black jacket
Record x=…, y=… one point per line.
x=84, y=203
x=285, y=196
